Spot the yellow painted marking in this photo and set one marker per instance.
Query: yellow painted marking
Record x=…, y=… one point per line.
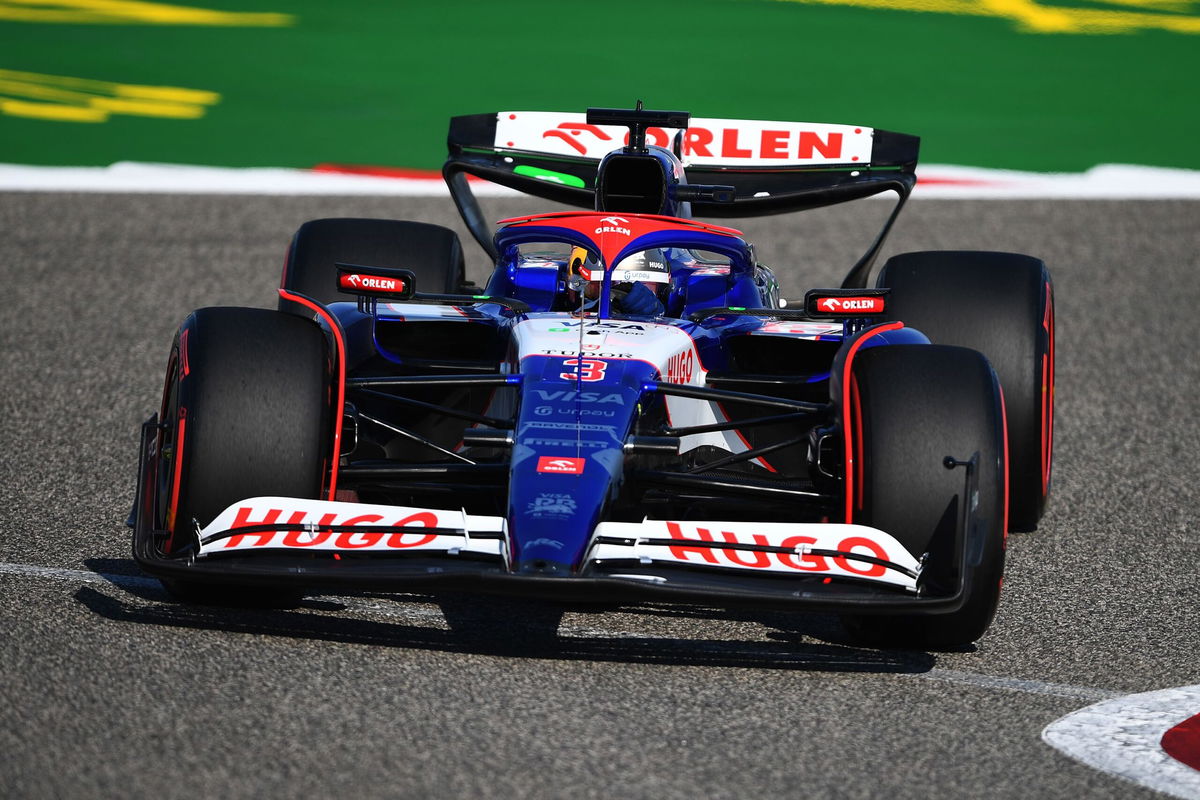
x=140, y=108
x=174, y=94
x=168, y=94
x=1178, y=6
x=1176, y=16
x=52, y=111
x=127, y=12
x=67, y=99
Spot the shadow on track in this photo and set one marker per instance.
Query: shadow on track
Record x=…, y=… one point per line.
x=506, y=627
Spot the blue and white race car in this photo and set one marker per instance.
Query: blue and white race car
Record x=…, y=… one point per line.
x=627, y=411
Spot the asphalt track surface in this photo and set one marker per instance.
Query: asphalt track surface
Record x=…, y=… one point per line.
x=107, y=689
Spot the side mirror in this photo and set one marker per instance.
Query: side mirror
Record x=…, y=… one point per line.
x=687, y=192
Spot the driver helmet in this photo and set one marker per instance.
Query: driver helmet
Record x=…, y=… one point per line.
x=648, y=266
x=648, y=270
x=581, y=267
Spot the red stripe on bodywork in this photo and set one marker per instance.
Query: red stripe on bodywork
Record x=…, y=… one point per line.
x=171, y=378
x=340, y=402
x=173, y=508
x=856, y=403
x=1004, y=444
x=850, y=466
x=1182, y=742
x=1048, y=393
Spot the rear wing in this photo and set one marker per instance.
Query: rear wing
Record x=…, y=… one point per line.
x=773, y=167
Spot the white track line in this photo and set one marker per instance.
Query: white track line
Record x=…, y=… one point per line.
x=1106, y=181
x=418, y=613
x=1084, y=693
x=129, y=176
x=83, y=576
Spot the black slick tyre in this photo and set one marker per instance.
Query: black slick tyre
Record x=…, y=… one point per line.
x=1001, y=304
x=246, y=413
x=431, y=252
x=916, y=405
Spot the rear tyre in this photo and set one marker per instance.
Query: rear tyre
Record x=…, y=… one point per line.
x=918, y=405
x=245, y=413
x=431, y=252
x=1001, y=304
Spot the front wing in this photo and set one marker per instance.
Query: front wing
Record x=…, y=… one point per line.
x=332, y=545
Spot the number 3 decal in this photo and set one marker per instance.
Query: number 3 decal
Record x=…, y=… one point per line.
x=586, y=369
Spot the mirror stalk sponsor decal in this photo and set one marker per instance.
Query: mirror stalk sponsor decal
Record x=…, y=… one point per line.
x=845, y=303
x=382, y=282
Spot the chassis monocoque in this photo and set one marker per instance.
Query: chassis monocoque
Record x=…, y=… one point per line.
x=627, y=411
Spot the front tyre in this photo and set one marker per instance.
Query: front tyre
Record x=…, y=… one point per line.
x=246, y=413
x=909, y=407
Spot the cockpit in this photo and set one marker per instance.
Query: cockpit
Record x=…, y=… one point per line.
x=669, y=276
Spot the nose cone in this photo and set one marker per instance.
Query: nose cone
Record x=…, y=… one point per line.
x=552, y=515
x=543, y=568
x=568, y=458
x=550, y=531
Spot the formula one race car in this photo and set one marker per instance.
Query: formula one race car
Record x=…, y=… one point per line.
x=627, y=411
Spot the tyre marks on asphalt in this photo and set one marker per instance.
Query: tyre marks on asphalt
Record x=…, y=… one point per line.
x=1152, y=739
